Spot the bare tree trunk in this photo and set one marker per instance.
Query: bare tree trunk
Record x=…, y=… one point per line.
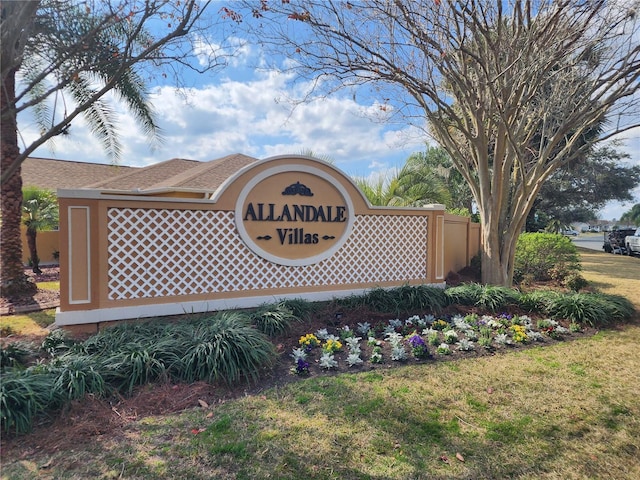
x=12, y=277
x=33, y=250
x=495, y=270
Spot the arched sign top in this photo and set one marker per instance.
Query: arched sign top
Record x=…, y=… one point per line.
x=294, y=214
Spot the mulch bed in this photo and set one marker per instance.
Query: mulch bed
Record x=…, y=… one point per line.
x=41, y=300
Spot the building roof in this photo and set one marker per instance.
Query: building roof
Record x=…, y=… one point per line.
x=177, y=173
x=146, y=177
x=53, y=174
x=208, y=175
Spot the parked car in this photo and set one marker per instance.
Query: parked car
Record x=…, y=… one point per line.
x=633, y=243
x=570, y=232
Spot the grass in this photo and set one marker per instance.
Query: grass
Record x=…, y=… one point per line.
x=33, y=323
x=567, y=411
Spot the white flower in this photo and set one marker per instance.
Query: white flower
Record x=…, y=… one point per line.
x=471, y=334
x=429, y=331
x=444, y=349
x=450, y=336
x=460, y=324
x=465, y=345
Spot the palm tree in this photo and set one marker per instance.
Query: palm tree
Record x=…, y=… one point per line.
x=412, y=186
x=66, y=55
x=39, y=213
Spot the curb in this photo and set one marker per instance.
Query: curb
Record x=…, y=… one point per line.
x=11, y=310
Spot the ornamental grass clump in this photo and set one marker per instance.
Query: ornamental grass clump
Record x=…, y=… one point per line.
x=227, y=348
x=15, y=354
x=75, y=376
x=594, y=309
x=273, y=319
x=23, y=395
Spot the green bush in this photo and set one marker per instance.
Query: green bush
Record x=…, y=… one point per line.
x=490, y=297
x=399, y=300
x=227, y=348
x=23, y=395
x=75, y=376
x=273, y=319
x=15, y=354
x=595, y=309
x=545, y=256
x=575, y=282
x=57, y=342
x=538, y=300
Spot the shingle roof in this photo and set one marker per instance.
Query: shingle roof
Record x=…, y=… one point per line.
x=177, y=173
x=52, y=174
x=143, y=178
x=207, y=175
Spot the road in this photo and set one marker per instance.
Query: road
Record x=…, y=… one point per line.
x=592, y=241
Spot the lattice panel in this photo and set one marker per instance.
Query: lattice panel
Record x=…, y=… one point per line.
x=162, y=252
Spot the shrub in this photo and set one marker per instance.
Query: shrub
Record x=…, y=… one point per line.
x=490, y=297
x=15, y=354
x=594, y=309
x=273, y=319
x=538, y=300
x=23, y=395
x=227, y=348
x=575, y=281
x=57, y=342
x=545, y=256
x=75, y=376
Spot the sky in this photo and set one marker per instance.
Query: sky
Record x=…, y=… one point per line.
x=248, y=110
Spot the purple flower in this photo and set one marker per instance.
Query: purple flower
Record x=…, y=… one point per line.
x=416, y=341
x=302, y=367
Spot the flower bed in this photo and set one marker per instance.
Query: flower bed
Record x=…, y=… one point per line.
x=419, y=339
